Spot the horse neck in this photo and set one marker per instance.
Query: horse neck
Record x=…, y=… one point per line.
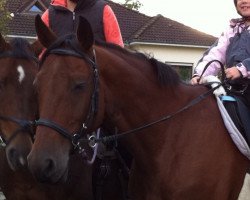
x=133, y=99
x=132, y=94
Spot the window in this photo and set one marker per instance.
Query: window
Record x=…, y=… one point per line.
x=34, y=8
x=183, y=69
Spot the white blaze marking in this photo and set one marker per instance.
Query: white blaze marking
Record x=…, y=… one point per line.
x=21, y=73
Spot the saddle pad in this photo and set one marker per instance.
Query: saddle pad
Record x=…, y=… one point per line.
x=236, y=136
x=245, y=190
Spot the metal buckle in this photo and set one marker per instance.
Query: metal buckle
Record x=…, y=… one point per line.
x=241, y=91
x=229, y=87
x=75, y=140
x=84, y=126
x=2, y=143
x=92, y=141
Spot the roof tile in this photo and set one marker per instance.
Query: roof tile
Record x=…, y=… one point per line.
x=135, y=26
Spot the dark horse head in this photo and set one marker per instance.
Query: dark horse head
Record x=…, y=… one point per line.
x=64, y=87
x=18, y=105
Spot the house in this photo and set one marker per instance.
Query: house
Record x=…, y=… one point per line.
x=165, y=39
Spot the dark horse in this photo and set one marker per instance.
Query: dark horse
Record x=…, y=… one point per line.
x=82, y=86
x=18, y=108
x=18, y=68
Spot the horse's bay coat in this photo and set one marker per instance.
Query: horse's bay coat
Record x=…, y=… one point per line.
x=188, y=156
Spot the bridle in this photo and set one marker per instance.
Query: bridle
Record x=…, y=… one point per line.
x=25, y=126
x=73, y=50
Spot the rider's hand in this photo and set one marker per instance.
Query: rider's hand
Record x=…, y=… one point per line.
x=232, y=73
x=195, y=80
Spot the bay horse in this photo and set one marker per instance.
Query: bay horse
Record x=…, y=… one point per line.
x=18, y=68
x=83, y=85
x=18, y=110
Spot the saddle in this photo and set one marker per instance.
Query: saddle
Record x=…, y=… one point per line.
x=234, y=112
x=239, y=113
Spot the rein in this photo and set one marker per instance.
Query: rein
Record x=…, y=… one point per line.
x=223, y=75
x=227, y=82
x=195, y=101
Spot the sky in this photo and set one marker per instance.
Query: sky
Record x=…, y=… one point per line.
x=208, y=16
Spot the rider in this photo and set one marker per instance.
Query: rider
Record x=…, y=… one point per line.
x=62, y=18
x=233, y=50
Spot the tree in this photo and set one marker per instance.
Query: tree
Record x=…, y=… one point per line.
x=5, y=16
x=133, y=4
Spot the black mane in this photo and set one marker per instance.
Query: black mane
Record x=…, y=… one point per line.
x=165, y=73
x=20, y=48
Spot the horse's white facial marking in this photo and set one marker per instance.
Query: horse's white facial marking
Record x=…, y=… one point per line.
x=21, y=73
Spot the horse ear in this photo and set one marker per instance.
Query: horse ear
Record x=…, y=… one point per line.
x=45, y=35
x=3, y=44
x=85, y=34
x=37, y=47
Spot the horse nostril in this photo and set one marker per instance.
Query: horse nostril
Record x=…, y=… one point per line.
x=45, y=173
x=16, y=157
x=13, y=159
x=50, y=166
x=13, y=154
x=48, y=169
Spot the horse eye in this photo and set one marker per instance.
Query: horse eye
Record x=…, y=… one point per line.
x=80, y=86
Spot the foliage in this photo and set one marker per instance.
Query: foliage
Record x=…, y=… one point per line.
x=4, y=16
x=133, y=4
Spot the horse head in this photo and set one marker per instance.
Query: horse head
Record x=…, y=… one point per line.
x=18, y=105
x=65, y=86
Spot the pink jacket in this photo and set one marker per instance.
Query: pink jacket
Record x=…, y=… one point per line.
x=218, y=51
